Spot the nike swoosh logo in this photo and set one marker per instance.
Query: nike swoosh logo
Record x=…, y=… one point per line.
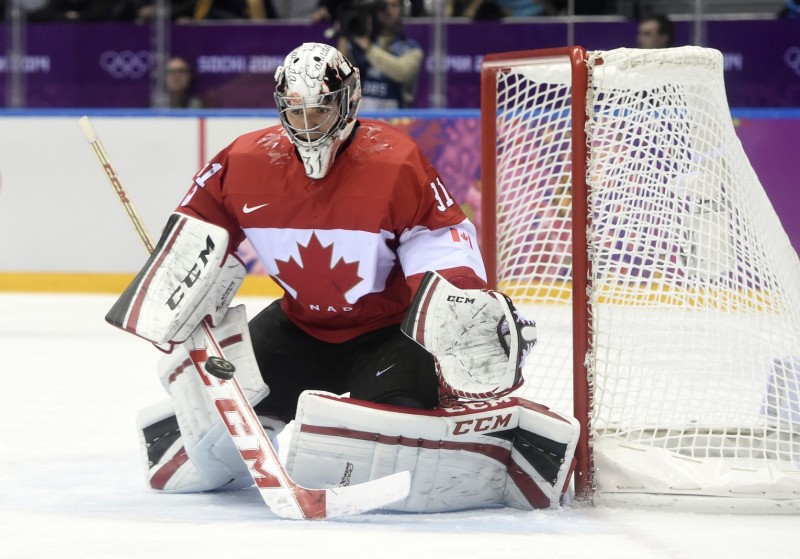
x=247, y=209
x=379, y=373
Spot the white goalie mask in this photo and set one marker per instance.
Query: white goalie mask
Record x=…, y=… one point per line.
x=318, y=94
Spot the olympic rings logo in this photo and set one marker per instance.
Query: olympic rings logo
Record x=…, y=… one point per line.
x=792, y=59
x=126, y=64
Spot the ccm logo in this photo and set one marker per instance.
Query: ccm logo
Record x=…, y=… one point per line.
x=460, y=299
x=191, y=277
x=490, y=423
x=247, y=442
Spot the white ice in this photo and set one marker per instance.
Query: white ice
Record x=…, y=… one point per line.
x=72, y=485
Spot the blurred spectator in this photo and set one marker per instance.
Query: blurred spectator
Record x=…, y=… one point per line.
x=461, y=8
x=498, y=9
x=592, y=7
x=526, y=8
x=85, y=10
x=791, y=10
x=180, y=11
x=489, y=10
x=584, y=7
x=371, y=37
x=479, y=10
x=655, y=32
x=417, y=9
x=326, y=10
x=329, y=10
x=234, y=9
x=295, y=9
x=180, y=84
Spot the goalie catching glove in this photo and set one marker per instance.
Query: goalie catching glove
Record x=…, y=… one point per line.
x=477, y=337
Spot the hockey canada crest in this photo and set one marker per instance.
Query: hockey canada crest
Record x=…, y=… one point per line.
x=320, y=284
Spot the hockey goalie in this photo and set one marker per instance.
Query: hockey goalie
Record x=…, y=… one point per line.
x=387, y=352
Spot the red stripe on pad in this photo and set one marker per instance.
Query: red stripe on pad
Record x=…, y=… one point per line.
x=159, y=479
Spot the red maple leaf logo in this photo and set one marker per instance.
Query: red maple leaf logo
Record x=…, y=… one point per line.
x=315, y=278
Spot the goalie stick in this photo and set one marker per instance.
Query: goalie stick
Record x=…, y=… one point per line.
x=282, y=495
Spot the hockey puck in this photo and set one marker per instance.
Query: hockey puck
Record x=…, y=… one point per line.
x=220, y=368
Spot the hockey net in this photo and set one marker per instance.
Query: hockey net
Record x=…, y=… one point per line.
x=669, y=322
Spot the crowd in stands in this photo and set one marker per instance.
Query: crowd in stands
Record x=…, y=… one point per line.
x=185, y=11
x=368, y=32
x=315, y=10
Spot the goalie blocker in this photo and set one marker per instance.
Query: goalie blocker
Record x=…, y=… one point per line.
x=189, y=276
x=507, y=451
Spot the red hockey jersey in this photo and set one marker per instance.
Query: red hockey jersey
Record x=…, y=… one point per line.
x=349, y=249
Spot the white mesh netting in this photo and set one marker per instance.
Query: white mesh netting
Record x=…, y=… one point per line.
x=695, y=287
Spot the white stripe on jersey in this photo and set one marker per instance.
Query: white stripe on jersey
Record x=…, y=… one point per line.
x=375, y=259
x=422, y=249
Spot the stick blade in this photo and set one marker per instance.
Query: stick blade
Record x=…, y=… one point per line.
x=364, y=497
x=299, y=503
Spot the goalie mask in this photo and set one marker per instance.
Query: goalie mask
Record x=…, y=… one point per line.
x=318, y=94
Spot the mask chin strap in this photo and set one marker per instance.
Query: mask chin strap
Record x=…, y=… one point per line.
x=317, y=160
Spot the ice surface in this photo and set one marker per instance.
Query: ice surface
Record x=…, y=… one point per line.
x=72, y=485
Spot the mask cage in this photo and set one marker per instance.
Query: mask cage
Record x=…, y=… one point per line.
x=336, y=102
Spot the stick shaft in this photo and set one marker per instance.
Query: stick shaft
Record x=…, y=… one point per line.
x=136, y=220
x=116, y=183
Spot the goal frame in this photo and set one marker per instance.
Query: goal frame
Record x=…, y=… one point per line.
x=581, y=267
x=621, y=212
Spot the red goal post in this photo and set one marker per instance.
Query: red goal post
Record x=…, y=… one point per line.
x=621, y=213
x=574, y=57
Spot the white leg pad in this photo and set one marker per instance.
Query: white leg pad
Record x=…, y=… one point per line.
x=202, y=457
x=173, y=471
x=506, y=451
x=543, y=457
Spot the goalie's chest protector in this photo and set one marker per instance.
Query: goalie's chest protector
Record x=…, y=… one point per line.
x=332, y=243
